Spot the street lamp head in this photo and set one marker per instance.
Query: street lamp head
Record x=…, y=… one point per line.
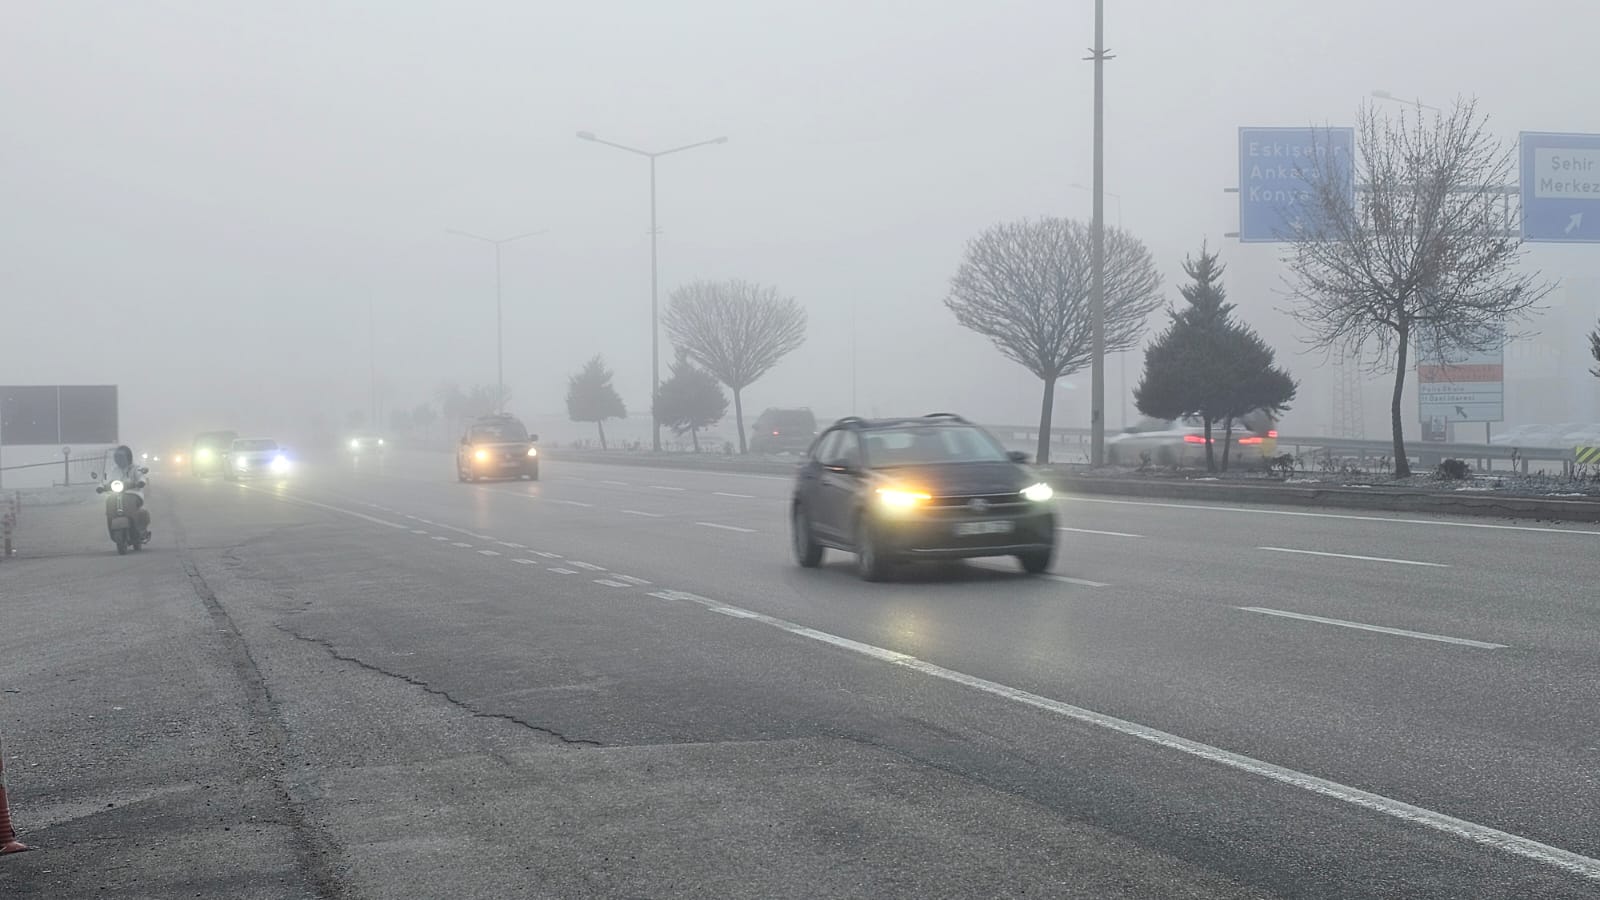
x=720, y=140
x=1383, y=95
x=587, y=136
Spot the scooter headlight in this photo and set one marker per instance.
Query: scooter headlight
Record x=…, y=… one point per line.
x=116, y=487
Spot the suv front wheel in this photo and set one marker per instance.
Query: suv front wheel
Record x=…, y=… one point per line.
x=807, y=552
x=871, y=562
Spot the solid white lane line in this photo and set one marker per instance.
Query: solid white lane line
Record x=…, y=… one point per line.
x=610, y=583
x=736, y=496
x=1420, y=635
x=637, y=512
x=1381, y=559
x=667, y=487
x=572, y=503
x=323, y=506
x=564, y=571
x=490, y=552
x=727, y=527
x=526, y=562
x=1482, y=835
x=583, y=565
x=1346, y=517
x=1106, y=533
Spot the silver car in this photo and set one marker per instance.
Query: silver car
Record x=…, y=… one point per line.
x=1182, y=442
x=256, y=458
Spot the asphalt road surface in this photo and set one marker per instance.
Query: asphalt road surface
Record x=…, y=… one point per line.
x=616, y=683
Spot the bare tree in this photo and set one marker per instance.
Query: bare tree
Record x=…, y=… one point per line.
x=1420, y=253
x=1025, y=286
x=736, y=330
x=1594, y=350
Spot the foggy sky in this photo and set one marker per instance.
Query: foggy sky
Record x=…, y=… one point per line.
x=246, y=178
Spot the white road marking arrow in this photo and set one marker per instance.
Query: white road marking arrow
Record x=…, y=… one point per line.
x=1574, y=222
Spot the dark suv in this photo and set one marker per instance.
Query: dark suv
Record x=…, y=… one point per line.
x=497, y=447
x=935, y=487
x=783, y=431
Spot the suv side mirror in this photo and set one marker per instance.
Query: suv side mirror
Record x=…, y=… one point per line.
x=1017, y=456
x=465, y=441
x=533, y=438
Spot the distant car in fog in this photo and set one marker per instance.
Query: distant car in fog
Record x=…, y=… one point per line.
x=497, y=447
x=1182, y=442
x=366, y=444
x=783, y=431
x=256, y=458
x=207, y=451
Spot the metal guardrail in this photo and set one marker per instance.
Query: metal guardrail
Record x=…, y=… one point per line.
x=1362, y=450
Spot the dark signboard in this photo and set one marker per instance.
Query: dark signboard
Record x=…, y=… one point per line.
x=56, y=415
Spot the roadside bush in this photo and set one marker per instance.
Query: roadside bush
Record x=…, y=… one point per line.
x=1453, y=470
x=1282, y=465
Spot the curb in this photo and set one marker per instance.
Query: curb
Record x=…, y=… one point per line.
x=1371, y=499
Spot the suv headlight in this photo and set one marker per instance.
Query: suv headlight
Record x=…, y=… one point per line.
x=899, y=498
x=1038, y=493
x=533, y=451
x=480, y=455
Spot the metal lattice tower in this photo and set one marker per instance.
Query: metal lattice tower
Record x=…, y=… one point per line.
x=1349, y=419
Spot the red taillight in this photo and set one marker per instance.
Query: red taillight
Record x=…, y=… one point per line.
x=774, y=433
x=1250, y=440
x=1273, y=433
x=1193, y=439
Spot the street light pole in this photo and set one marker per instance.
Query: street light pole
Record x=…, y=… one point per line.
x=655, y=302
x=1097, y=380
x=1385, y=95
x=499, y=311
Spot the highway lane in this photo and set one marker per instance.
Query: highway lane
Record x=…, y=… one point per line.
x=1498, y=736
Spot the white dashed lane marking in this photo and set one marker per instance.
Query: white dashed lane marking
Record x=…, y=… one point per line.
x=461, y=545
x=440, y=537
x=545, y=554
x=615, y=483
x=737, y=496
x=564, y=571
x=727, y=527
x=667, y=487
x=609, y=583
x=1381, y=629
x=572, y=503
x=648, y=515
x=526, y=562
x=1377, y=559
x=583, y=565
x=511, y=545
x=490, y=552
x=631, y=580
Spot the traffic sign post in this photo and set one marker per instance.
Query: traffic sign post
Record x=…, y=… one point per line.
x=1560, y=187
x=1274, y=189
x=1463, y=384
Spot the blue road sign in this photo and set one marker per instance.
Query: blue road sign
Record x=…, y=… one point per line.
x=1274, y=164
x=1560, y=187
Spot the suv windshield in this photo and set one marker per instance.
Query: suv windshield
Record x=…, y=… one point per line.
x=255, y=446
x=215, y=439
x=913, y=445
x=499, y=431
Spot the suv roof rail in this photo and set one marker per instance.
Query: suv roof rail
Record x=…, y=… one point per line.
x=945, y=415
x=850, y=420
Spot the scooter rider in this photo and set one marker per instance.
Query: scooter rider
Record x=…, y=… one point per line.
x=132, y=477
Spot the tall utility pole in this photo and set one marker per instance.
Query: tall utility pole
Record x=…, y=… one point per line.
x=655, y=303
x=1097, y=300
x=372, y=356
x=499, y=312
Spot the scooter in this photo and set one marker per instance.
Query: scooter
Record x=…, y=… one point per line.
x=122, y=510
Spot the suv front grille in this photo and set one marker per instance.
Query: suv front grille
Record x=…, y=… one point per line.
x=977, y=506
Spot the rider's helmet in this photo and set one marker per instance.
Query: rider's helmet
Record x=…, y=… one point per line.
x=122, y=456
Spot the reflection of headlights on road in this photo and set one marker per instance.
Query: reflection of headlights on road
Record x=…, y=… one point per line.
x=895, y=498
x=533, y=451
x=480, y=455
x=1038, y=493
x=280, y=464
x=116, y=487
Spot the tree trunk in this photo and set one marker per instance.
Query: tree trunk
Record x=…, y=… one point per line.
x=1227, y=441
x=1211, y=461
x=600, y=424
x=738, y=420
x=694, y=435
x=1046, y=408
x=1402, y=465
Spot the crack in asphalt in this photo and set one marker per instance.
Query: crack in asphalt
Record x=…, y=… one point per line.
x=412, y=680
x=310, y=842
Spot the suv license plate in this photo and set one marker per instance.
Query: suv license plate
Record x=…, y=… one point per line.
x=968, y=528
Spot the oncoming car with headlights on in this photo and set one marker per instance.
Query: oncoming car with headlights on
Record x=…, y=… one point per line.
x=497, y=447
x=205, y=455
x=256, y=458
x=935, y=487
